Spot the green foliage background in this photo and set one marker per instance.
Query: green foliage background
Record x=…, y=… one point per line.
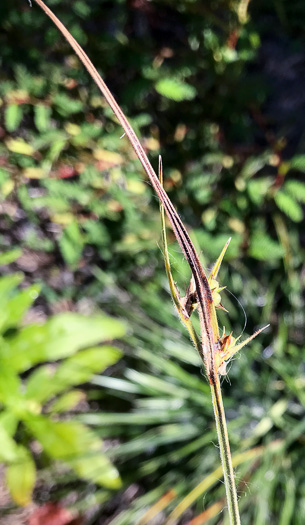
x=219, y=95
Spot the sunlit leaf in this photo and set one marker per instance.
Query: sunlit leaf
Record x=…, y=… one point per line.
x=14, y=309
x=8, y=283
x=21, y=477
x=19, y=146
x=13, y=117
x=175, y=89
x=67, y=401
x=298, y=163
x=10, y=256
x=289, y=206
x=46, y=382
x=8, y=446
x=296, y=189
x=10, y=383
x=8, y=421
x=77, y=446
x=61, y=336
x=42, y=115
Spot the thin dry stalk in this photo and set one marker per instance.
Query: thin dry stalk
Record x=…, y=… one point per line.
x=203, y=292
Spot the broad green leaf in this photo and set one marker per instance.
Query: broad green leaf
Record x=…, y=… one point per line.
x=13, y=117
x=41, y=385
x=10, y=256
x=10, y=383
x=77, y=446
x=61, y=336
x=8, y=446
x=175, y=89
x=13, y=310
x=46, y=382
x=9, y=422
x=9, y=283
x=87, y=362
x=289, y=206
x=21, y=477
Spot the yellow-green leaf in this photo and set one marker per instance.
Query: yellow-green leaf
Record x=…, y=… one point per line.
x=78, y=446
x=21, y=477
x=61, y=336
x=19, y=146
x=175, y=89
x=45, y=382
x=67, y=401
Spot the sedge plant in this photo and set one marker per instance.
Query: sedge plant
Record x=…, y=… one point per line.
x=203, y=293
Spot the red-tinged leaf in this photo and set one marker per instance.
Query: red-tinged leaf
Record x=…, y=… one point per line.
x=65, y=172
x=53, y=514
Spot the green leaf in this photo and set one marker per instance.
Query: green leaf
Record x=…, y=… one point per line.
x=77, y=446
x=10, y=383
x=9, y=283
x=8, y=446
x=13, y=117
x=46, y=382
x=289, y=206
x=296, y=189
x=61, y=336
x=67, y=401
x=175, y=89
x=298, y=163
x=66, y=105
x=10, y=256
x=21, y=471
x=13, y=310
x=8, y=421
x=21, y=477
x=86, y=363
x=42, y=116
x=251, y=166
x=71, y=244
x=265, y=248
x=258, y=189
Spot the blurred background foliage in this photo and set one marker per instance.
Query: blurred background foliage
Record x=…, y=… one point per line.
x=216, y=88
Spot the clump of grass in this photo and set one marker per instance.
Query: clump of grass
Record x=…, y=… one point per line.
x=203, y=292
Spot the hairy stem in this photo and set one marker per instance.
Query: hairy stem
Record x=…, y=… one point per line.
x=225, y=453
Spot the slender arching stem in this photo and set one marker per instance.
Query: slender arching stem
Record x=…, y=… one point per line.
x=210, y=345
